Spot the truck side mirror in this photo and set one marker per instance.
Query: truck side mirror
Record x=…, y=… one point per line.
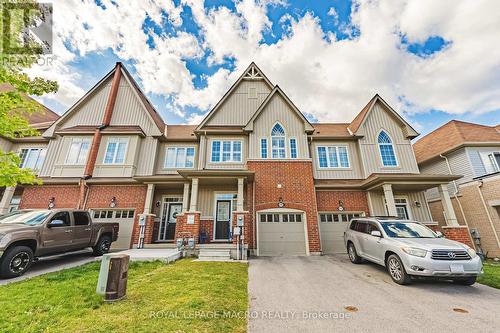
x=439, y=234
x=56, y=223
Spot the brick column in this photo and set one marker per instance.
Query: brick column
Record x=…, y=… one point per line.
x=458, y=233
x=188, y=225
x=389, y=199
x=247, y=227
x=148, y=231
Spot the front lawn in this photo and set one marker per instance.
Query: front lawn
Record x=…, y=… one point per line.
x=491, y=276
x=186, y=296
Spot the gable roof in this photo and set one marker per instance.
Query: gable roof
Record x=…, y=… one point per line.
x=252, y=72
x=180, y=132
x=453, y=135
x=331, y=130
x=277, y=90
x=156, y=118
x=362, y=116
x=44, y=116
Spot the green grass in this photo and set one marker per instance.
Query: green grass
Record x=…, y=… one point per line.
x=491, y=276
x=179, y=297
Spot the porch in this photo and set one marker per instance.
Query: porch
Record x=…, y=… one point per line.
x=200, y=205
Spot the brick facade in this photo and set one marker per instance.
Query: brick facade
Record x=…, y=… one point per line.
x=354, y=201
x=207, y=227
x=65, y=196
x=183, y=229
x=292, y=181
x=459, y=234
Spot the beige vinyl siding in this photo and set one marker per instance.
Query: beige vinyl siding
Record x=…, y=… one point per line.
x=421, y=214
x=226, y=165
x=60, y=169
x=238, y=108
x=5, y=145
x=160, y=163
x=91, y=111
x=377, y=120
x=459, y=164
x=147, y=156
x=354, y=171
x=129, y=110
x=480, y=164
x=206, y=198
x=277, y=110
x=16, y=147
x=127, y=168
x=51, y=157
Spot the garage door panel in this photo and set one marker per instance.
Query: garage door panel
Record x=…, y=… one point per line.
x=125, y=219
x=282, y=238
x=332, y=237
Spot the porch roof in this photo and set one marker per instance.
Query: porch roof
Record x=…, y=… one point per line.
x=412, y=182
x=189, y=174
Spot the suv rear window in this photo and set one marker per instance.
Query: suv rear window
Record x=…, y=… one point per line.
x=81, y=218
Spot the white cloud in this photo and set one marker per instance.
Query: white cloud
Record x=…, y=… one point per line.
x=328, y=78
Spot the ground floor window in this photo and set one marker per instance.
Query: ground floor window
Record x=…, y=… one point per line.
x=337, y=217
x=113, y=214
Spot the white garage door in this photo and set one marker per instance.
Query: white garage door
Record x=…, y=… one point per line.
x=124, y=217
x=281, y=234
x=332, y=227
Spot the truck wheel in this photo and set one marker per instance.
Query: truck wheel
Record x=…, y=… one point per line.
x=397, y=270
x=102, y=246
x=469, y=281
x=353, y=254
x=16, y=261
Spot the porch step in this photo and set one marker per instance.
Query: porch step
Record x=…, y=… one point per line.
x=214, y=254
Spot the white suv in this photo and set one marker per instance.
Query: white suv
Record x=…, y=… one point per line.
x=408, y=248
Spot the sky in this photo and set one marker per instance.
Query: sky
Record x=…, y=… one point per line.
x=432, y=61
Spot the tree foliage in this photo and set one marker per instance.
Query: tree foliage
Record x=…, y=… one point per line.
x=15, y=105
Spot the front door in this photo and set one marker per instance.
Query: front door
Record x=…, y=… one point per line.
x=222, y=219
x=167, y=226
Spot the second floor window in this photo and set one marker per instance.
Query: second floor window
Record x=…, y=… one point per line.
x=78, y=151
x=32, y=158
x=115, y=152
x=333, y=157
x=179, y=157
x=226, y=151
x=293, y=148
x=263, y=148
x=386, y=148
x=278, y=142
x=495, y=161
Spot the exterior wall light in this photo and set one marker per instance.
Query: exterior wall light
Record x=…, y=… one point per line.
x=112, y=204
x=341, y=206
x=52, y=203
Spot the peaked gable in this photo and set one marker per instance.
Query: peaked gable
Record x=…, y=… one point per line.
x=355, y=128
x=89, y=110
x=275, y=93
x=241, y=100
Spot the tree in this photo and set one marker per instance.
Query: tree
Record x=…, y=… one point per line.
x=15, y=106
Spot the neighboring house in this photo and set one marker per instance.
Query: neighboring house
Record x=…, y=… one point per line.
x=31, y=149
x=254, y=160
x=471, y=150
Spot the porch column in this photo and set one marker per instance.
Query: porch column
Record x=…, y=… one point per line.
x=449, y=212
x=389, y=199
x=239, y=199
x=185, y=198
x=149, y=198
x=194, y=195
x=8, y=193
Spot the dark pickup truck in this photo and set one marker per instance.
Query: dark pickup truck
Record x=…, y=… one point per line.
x=26, y=235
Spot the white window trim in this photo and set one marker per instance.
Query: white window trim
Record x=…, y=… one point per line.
x=175, y=161
x=222, y=150
x=338, y=158
x=290, y=147
x=278, y=136
x=387, y=144
x=118, y=138
x=493, y=161
x=267, y=148
x=30, y=149
x=82, y=140
x=407, y=204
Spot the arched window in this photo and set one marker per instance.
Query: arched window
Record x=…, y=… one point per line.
x=386, y=148
x=278, y=142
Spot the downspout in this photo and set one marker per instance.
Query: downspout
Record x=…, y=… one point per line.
x=254, y=216
x=456, y=190
x=487, y=212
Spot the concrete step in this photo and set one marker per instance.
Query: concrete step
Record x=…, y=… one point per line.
x=215, y=253
x=214, y=259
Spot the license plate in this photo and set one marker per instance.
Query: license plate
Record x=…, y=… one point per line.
x=456, y=268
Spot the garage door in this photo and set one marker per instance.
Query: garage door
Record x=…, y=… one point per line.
x=281, y=234
x=332, y=227
x=124, y=217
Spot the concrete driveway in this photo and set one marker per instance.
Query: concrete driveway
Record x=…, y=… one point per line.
x=320, y=294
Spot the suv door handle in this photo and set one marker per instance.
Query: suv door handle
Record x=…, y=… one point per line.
x=88, y=229
x=68, y=231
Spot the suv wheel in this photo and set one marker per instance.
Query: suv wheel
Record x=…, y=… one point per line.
x=353, y=254
x=103, y=245
x=469, y=281
x=16, y=261
x=397, y=270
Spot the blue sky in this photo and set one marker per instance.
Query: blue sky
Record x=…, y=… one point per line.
x=330, y=57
